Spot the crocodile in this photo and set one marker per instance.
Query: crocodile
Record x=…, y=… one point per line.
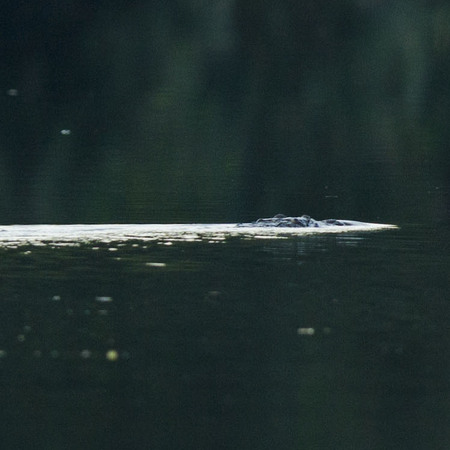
x=280, y=220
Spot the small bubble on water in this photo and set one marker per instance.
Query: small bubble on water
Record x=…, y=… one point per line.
x=155, y=264
x=3, y=353
x=103, y=299
x=214, y=294
x=37, y=353
x=56, y=298
x=12, y=92
x=85, y=354
x=26, y=329
x=21, y=338
x=112, y=355
x=65, y=132
x=306, y=331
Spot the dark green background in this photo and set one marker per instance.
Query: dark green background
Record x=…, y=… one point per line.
x=224, y=110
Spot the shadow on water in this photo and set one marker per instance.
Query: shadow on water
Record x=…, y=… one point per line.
x=318, y=341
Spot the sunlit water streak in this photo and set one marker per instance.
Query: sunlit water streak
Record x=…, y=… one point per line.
x=76, y=234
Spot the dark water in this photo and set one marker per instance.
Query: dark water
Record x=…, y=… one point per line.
x=225, y=111
x=308, y=342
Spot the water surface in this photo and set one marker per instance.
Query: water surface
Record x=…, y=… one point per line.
x=202, y=338
x=12, y=235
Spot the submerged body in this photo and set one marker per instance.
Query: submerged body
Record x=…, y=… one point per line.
x=280, y=220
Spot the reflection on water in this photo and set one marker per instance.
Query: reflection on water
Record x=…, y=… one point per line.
x=76, y=234
x=304, y=341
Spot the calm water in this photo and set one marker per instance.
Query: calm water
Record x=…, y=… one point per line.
x=193, y=337
x=235, y=342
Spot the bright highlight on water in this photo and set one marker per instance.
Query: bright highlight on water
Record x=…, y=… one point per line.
x=11, y=235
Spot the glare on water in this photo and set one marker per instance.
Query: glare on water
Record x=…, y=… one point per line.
x=74, y=234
